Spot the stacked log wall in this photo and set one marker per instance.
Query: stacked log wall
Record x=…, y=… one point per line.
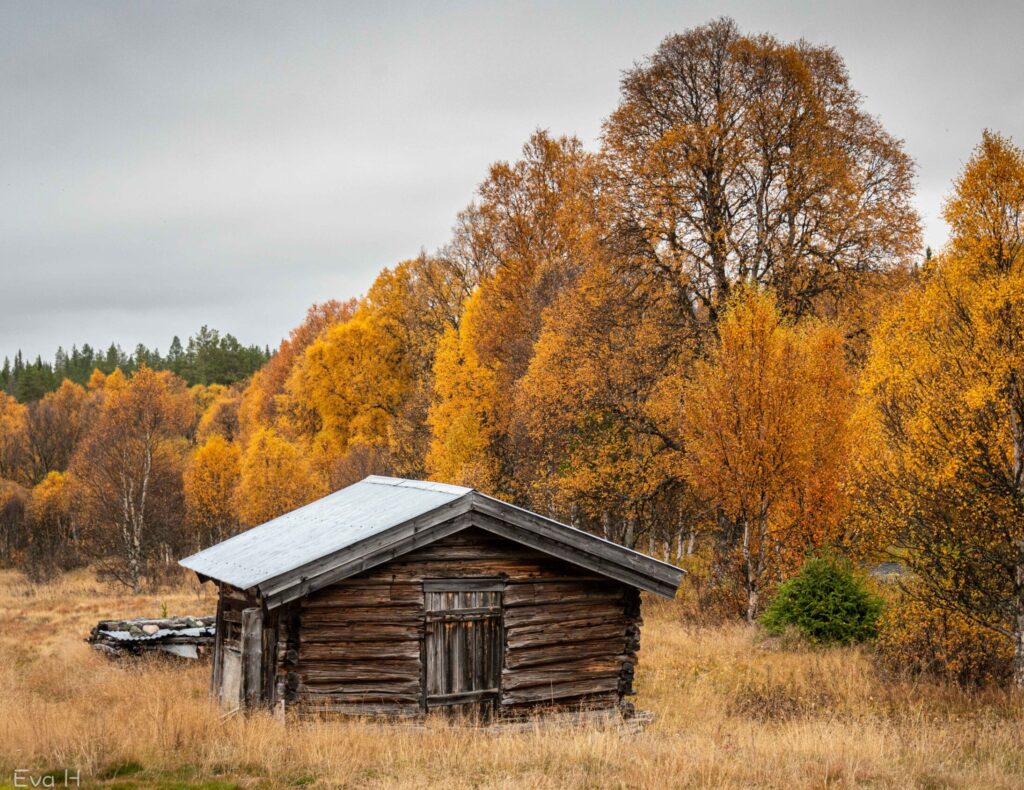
x=356, y=647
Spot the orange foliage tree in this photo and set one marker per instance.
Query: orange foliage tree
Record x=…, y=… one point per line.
x=529, y=229
x=14, y=459
x=129, y=466
x=55, y=424
x=764, y=424
x=735, y=160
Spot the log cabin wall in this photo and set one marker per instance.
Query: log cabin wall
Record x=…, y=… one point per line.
x=357, y=646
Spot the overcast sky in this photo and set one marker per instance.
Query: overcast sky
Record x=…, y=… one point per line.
x=165, y=165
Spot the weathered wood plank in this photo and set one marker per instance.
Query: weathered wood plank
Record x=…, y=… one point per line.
x=606, y=700
x=341, y=615
x=563, y=592
x=560, y=691
x=554, y=613
x=368, y=687
x=395, y=710
x=252, y=656
x=363, y=632
x=341, y=673
x=355, y=651
x=366, y=593
x=568, y=624
x=553, y=654
x=523, y=680
x=563, y=634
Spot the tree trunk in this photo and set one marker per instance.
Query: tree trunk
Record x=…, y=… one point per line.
x=752, y=591
x=1017, y=431
x=630, y=539
x=1018, y=621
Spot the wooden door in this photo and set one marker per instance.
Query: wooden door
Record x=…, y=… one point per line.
x=464, y=645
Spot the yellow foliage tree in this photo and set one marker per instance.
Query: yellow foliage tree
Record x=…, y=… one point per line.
x=210, y=482
x=52, y=515
x=262, y=397
x=529, y=230
x=764, y=424
x=275, y=477
x=587, y=403
x=460, y=419
x=942, y=408
x=358, y=395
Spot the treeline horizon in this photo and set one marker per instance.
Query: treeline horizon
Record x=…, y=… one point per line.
x=716, y=338
x=208, y=357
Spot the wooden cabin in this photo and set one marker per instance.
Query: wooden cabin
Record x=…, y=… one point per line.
x=397, y=597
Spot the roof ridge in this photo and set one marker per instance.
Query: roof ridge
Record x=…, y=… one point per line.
x=426, y=485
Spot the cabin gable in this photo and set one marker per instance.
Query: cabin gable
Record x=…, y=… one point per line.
x=486, y=513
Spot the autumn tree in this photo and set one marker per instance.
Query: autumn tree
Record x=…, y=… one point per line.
x=360, y=392
x=735, y=159
x=15, y=464
x=527, y=231
x=763, y=421
x=461, y=424
x=275, y=477
x=129, y=467
x=54, y=426
x=587, y=402
x=13, y=499
x=260, y=399
x=210, y=483
x=220, y=418
x=942, y=416
x=53, y=518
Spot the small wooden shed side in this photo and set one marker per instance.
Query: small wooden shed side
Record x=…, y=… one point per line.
x=397, y=597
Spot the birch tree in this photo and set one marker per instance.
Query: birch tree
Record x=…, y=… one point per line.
x=764, y=429
x=129, y=466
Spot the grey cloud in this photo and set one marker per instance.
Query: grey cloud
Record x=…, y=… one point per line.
x=164, y=165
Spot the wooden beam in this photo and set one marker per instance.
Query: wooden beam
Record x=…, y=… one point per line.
x=573, y=555
x=252, y=657
x=657, y=571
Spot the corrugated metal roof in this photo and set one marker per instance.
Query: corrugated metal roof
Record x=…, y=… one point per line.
x=327, y=525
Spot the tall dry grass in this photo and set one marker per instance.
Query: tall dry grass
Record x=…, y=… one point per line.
x=732, y=711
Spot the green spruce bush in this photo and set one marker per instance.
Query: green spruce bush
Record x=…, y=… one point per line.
x=826, y=603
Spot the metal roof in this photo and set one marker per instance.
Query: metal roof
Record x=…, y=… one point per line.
x=327, y=525
x=381, y=518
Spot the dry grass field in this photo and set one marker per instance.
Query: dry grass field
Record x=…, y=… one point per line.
x=732, y=711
